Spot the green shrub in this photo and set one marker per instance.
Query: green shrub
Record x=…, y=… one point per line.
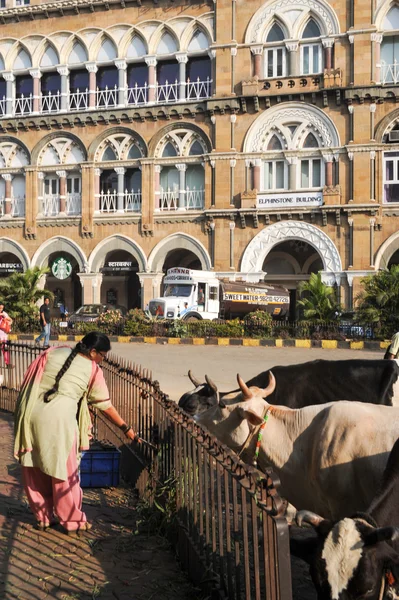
x=258, y=324
x=138, y=324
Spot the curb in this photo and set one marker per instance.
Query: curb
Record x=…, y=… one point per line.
x=249, y=342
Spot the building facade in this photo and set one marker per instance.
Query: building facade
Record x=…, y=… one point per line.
x=245, y=137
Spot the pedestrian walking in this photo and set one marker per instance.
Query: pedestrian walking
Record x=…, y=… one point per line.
x=5, y=328
x=45, y=322
x=393, y=348
x=52, y=425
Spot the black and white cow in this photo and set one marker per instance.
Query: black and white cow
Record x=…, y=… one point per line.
x=315, y=382
x=357, y=557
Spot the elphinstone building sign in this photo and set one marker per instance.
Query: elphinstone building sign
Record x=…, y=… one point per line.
x=244, y=137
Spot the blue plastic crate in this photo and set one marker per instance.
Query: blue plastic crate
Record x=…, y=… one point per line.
x=99, y=466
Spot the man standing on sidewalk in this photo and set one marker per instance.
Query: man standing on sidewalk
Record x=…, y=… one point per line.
x=45, y=322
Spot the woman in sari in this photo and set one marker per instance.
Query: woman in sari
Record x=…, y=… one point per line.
x=58, y=386
x=5, y=324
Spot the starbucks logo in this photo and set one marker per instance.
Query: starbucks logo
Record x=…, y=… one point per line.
x=61, y=268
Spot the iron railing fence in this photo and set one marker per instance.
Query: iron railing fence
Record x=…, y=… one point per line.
x=322, y=330
x=231, y=533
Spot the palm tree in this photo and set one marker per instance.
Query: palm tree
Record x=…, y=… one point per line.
x=320, y=302
x=378, y=302
x=20, y=292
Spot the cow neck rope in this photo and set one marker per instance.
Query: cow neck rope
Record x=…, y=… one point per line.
x=258, y=430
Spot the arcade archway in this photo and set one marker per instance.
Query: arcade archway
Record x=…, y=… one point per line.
x=63, y=280
x=120, y=284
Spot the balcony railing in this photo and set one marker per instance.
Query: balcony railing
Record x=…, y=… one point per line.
x=17, y=206
x=51, y=203
x=51, y=103
x=193, y=199
x=390, y=73
x=130, y=201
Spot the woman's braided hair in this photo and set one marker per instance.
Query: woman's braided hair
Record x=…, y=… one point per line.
x=94, y=340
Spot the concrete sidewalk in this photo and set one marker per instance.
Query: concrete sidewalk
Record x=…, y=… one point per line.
x=111, y=562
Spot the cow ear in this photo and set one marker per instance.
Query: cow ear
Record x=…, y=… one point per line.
x=251, y=416
x=381, y=534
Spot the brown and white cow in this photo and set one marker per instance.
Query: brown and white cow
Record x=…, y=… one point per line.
x=330, y=457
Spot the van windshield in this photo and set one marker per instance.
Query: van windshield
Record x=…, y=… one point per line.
x=178, y=290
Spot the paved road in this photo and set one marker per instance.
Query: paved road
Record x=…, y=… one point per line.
x=169, y=364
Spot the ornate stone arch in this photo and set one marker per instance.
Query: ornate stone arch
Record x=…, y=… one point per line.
x=277, y=20
x=127, y=39
x=154, y=145
x=386, y=125
x=298, y=111
x=9, y=149
x=7, y=245
x=259, y=22
x=60, y=244
x=386, y=251
x=189, y=31
x=382, y=9
x=301, y=23
x=67, y=47
x=173, y=242
x=13, y=53
x=260, y=246
x=41, y=49
x=157, y=36
x=105, y=138
x=38, y=150
x=116, y=242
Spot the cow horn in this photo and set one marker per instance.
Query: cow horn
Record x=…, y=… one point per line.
x=193, y=380
x=306, y=516
x=271, y=387
x=211, y=384
x=247, y=394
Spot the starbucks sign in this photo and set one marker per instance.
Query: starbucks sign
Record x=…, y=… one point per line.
x=61, y=268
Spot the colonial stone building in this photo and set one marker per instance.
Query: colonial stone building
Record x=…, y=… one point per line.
x=245, y=137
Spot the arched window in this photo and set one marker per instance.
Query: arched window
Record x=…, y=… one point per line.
x=311, y=52
x=390, y=47
x=77, y=55
x=275, y=171
x=310, y=141
x=169, y=150
x=274, y=143
x=275, y=55
x=167, y=44
x=196, y=148
x=199, y=42
x=109, y=154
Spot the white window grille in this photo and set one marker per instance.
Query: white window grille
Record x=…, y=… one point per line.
x=168, y=92
x=23, y=105
x=391, y=177
x=169, y=199
x=3, y=106
x=50, y=205
x=195, y=199
x=132, y=201
x=137, y=95
x=275, y=62
x=198, y=89
x=78, y=100
x=108, y=201
x=73, y=204
x=107, y=98
x=50, y=103
x=311, y=59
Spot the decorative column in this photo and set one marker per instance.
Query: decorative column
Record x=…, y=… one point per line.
x=372, y=174
x=248, y=183
x=351, y=178
x=8, y=195
x=181, y=167
x=91, y=287
x=328, y=159
x=373, y=108
x=376, y=39
x=97, y=191
x=256, y=173
x=352, y=59
x=121, y=65
x=92, y=68
x=233, y=163
x=157, y=186
x=151, y=62
x=233, y=52
x=232, y=226
x=350, y=290
x=350, y=223
x=372, y=223
x=328, y=44
x=36, y=75
x=213, y=121
x=213, y=182
x=351, y=122
x=120, y=171
x=212, y=56
x=64, y=72
x=257, y=53
x=62, y=177
x=40, y=191
x=212, y=226
x=292, y=48
x=182, y=59
x=292, y=172
x=9, y=79
x=233, y=119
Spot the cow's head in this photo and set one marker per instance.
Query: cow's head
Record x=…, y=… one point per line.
x=201, y=398
x=236, y=414
x=350, y=559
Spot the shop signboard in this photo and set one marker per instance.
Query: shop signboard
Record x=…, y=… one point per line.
x=119, y=266
x=289, y=200
x=61, y=268
x=11, y=267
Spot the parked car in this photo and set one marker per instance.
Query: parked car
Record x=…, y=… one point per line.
x=89, y=313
